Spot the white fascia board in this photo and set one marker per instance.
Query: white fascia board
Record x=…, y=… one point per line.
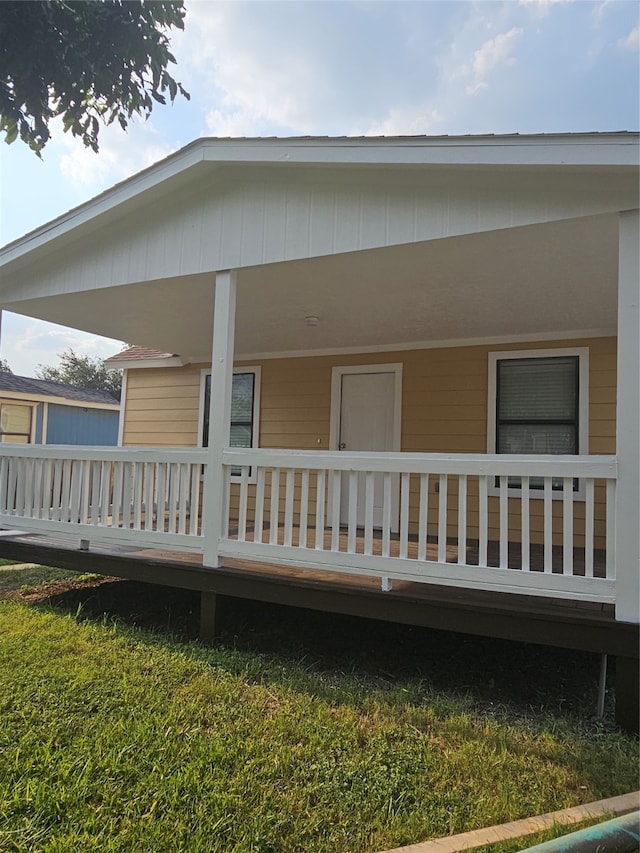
x=558, y=150
x=133, y=364
x=58, y=401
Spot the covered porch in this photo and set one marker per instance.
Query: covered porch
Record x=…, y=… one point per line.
x=279, y=252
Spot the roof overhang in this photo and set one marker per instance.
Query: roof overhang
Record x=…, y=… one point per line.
x=390, y=242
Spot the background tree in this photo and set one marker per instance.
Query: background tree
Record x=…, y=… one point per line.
x=4, y=366
x=89, y=62
x=83, y=372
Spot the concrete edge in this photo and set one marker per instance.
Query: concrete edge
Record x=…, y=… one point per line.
x=527, y=826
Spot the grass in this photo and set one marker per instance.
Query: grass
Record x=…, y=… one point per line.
x=297, y=732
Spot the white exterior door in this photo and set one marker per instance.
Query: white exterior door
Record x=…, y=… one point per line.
x=367, y=402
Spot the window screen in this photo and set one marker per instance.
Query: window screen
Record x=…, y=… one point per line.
x=537, y=407
x=15, y=424
x=242, y=400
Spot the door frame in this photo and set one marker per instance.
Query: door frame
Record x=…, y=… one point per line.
x=336, y=399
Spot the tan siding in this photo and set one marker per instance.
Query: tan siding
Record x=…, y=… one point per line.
x=162, y=407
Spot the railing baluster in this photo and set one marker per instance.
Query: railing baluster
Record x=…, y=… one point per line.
x=184, y=476
x=244, y=500
x=226, y=503
x=289, y=493
x=161, y=485
x=423, y=515
x=336, y=488
x=483, y=519
x=386, y=514
x=126, y=495
x=28, y=489
x=274, y=506
x=462, y=520
x=589, y=506
x=353, y=512
x=37, y=488
x=74, y=497
x=320, y=500
x=194, y=501
x=259, y=512
x=369, y=494
x=405, y=484
x=442, y=518
x=304, y=507
x=567, y=526
x=525, y=525
x=116, y=503
x=57, y=483
x=610, y=559
x=504, y=523
x=148, y=488
x=96, y=489
x=173, y=474
x=548, y=525
x=138, y=494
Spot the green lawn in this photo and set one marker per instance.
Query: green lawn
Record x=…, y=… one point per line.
x=117, y=738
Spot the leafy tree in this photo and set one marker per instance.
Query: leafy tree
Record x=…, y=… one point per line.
x=89, y=61
x=83, y=372
x=4, y=366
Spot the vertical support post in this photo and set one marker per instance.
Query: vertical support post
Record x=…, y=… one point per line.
x=627, y=694
x=627, y=500
x=224, y=320
x=208, y=605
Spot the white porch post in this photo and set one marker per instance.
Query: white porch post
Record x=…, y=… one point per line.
x=627, y=503
x=219, y=414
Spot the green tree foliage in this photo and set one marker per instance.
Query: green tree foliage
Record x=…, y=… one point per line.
x=83, y=372
x=88, y=61
x=4, y=366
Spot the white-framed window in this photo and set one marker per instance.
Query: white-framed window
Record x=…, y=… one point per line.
x=16, y=423
x=245, y=408
x=538, y=404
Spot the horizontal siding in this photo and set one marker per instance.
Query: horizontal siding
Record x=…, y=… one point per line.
x=161, y=408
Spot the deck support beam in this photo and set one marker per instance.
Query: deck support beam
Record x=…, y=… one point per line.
x=208, y=608
x=224, y=321
x=627, y=530
x=627, y=694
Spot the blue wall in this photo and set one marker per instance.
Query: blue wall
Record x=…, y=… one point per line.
x=76, y=425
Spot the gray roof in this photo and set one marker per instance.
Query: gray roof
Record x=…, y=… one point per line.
x=27, y=385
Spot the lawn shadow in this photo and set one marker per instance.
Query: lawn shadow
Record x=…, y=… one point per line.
x=502, y=678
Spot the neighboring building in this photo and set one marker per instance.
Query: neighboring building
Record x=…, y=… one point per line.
x=36, y=411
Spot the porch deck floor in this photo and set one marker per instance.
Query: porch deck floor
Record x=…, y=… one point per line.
x=238, y=576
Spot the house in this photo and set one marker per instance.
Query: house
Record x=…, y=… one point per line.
x=393, y=376
x=37, y=411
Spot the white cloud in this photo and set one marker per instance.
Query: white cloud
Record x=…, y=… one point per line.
x=476, y=88
x=495, y=51
x=121, y=154
x=28, y=343
x=541, y=8
x=631, y=41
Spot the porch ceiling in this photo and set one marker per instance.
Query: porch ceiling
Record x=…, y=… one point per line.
x=547, y=279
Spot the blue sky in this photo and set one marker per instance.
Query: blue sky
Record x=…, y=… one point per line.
x=340, y=67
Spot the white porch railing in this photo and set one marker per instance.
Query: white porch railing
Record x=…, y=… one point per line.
x=141, y=496
x=440, y=520
x=398, y=516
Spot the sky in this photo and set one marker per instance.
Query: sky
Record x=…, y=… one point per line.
x=338, y=67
